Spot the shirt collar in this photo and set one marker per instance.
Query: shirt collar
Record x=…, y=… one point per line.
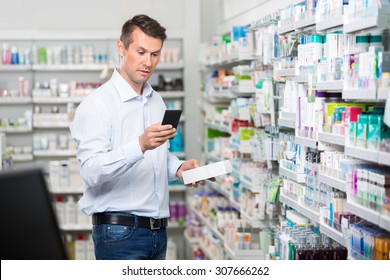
x=125, y=91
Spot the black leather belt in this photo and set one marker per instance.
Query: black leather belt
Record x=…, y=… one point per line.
x=128, y=220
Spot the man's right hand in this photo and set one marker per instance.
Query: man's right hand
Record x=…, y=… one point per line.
x=156, y=135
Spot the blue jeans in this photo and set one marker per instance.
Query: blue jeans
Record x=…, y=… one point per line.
x=117, y=242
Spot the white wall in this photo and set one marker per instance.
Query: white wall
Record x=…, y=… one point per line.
x=85, y=17
x=243, y=12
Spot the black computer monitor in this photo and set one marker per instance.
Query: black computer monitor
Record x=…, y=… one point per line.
x=29, y=228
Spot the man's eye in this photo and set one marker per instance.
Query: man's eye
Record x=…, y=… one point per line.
x=141, y=53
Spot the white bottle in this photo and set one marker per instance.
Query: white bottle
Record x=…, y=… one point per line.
x=60, y=210
x=70, y=211
x=80, y=247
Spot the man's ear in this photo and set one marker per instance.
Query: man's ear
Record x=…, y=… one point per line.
x=120, y=48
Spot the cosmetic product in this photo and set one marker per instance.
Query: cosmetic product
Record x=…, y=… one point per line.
x=314, y=251
x=301, y=250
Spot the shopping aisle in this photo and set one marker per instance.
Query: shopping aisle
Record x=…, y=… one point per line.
x=296, y=101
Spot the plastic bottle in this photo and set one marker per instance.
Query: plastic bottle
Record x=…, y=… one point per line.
x=176, y=144
x=247, y=238
x=328, y=252
x=301, y=250
x=362, y=43
x=314, y=252
x=341, y=253
x=375, y=40
x=240, y=238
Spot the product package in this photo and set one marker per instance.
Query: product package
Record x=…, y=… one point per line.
x=207, y=171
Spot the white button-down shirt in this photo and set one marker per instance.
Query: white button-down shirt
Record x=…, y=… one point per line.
x=117, y=175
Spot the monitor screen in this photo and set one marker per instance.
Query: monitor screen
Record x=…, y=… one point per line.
x=29, y=229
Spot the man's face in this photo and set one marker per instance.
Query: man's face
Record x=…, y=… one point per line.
x=140, y=59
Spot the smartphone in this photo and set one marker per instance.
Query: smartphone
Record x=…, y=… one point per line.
x=171, y=117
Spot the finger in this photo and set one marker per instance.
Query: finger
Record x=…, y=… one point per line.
x=202, y=183
x=166, y=127
x=195, y=163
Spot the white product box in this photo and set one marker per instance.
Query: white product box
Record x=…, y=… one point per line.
x=207, y=171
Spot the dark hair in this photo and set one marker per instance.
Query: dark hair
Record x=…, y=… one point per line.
x=149, y=26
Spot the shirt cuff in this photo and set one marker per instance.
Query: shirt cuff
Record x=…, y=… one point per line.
x=173, y=166
x=132, y=152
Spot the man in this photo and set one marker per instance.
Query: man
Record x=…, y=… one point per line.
x=123, y=151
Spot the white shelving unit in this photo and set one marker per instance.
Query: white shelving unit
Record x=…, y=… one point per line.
x=307, y=142
x=289, y=174
x=332, y=181
x=334, y=234
x=309, y=213
x=331, y=138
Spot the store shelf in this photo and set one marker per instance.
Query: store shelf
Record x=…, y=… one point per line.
x=301, y=209
x=290, y=72
x=384, y=222
x=177, y=188
x=305, y=23
x=233, y=59
x=68, y=191
x=286, y=123
x=191, y=240
x=359, y=94
x=170, y=66
x=330, y=24
x=15, y=100
x=254, y=223
x=15, y=129
x=57, y=153
x=384, y=158
x=69, y=67
x=285, y=29
x=362, y=212
x=22, y=157
x=217, y=126
x=333, y=182
x=244, y=254
x=14, y=67
x=360, y=24
x=334, y=234
x=361, y=153
x=172, y=94
x=179, y=154
x=336, y=86
x=58, y=100
x=287, y=119
x=242, y=91
x=51, y=125
x=331, y=138
x=302, y=78
x=307, y=142
x=240, y=148
x=383, y=94
x=76, y=227
x=296, y=177
x=175, y=225
x=250, y=186
x=207, y=252
x=221, y=95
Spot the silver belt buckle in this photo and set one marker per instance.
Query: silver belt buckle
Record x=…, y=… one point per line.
x=153, y=224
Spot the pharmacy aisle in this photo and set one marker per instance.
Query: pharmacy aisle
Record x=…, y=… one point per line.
x=296, y=101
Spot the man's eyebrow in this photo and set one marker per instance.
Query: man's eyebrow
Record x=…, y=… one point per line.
x=145, y=50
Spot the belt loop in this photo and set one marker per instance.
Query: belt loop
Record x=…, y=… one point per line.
x=136, y=220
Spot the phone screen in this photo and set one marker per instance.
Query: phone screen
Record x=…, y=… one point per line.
x=171, y=117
